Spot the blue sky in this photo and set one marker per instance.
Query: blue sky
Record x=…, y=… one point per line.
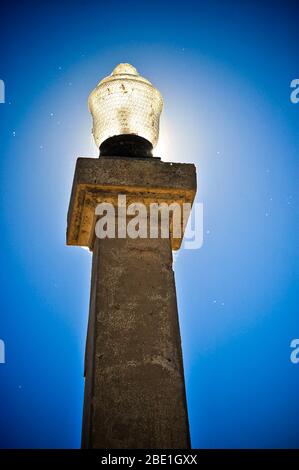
x=224, y=70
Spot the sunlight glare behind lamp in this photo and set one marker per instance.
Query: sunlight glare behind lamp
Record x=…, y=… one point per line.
x=126, y=109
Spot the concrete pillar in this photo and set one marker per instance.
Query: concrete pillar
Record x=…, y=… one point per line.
x=134, y=380
x=134, y=371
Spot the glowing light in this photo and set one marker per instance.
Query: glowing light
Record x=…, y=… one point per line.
x=125, y=103
x=164, y=147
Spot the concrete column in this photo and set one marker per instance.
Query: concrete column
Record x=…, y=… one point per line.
x=134, y=388
x=135, y=393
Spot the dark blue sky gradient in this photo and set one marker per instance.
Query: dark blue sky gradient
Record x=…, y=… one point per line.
x=224, y=69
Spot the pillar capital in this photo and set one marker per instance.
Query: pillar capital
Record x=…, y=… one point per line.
x=145, y=180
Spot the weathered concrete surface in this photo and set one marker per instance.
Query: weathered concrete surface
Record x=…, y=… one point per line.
x=140, y=179
x=134, y=389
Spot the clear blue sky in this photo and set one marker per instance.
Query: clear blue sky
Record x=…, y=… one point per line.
x=224, y=69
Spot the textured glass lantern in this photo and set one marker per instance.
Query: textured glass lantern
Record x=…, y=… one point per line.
x=125, y=104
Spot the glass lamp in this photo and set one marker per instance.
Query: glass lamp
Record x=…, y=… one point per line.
x=126, y=110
